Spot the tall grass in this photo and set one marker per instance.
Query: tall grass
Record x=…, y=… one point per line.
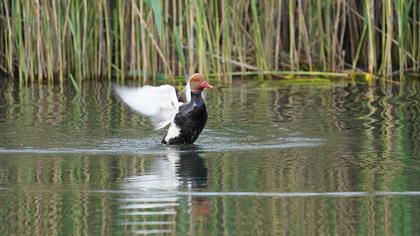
x=140, y=38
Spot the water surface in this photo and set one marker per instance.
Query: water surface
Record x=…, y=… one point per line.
x=317, y=157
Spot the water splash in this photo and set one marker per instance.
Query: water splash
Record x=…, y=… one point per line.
x=146, y=146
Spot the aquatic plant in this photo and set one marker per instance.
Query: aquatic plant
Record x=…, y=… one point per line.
x=141, y=38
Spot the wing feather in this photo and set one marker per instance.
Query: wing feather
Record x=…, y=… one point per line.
x=160, y=104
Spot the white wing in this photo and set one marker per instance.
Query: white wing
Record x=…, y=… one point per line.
x=160, y=104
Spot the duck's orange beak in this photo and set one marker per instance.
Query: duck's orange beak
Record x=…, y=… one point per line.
x=205, y=84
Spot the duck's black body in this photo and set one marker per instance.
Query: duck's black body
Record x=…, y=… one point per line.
x=190, y=121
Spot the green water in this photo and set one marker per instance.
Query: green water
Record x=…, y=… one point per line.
x=276, y=158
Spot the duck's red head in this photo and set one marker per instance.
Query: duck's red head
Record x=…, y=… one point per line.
x=198, y=83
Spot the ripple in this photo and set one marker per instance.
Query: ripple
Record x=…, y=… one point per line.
x=152, y=231
x=149, y=223
x=148, y=199
x=149, y=205
x=152, y=146
x=152, y=213
x=274, y=194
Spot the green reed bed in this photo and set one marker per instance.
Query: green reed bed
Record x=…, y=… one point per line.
x=140, y=38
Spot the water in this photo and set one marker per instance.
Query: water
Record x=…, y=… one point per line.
x=317, y=157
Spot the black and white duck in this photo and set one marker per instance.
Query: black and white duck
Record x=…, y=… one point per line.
x=185, y=112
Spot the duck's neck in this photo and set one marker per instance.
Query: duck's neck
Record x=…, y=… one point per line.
x=196, y=98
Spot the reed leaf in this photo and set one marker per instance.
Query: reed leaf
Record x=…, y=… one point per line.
x=157, y=13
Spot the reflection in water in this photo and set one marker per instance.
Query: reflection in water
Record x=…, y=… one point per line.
x=342, y=157
x=151, y=201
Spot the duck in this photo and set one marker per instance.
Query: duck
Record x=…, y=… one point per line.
x=185, y=112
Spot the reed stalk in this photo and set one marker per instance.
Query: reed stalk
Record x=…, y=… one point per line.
x=8, y=39
x=401, y=36
x=387, y=51
x=369, y=21
x=292, y=41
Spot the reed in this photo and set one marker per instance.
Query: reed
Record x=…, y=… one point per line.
x=43, y=39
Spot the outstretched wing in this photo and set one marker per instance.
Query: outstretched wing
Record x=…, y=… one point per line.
x=160, y=104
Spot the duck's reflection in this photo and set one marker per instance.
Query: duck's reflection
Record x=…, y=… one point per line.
x=191, y=170
x=157, y=199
